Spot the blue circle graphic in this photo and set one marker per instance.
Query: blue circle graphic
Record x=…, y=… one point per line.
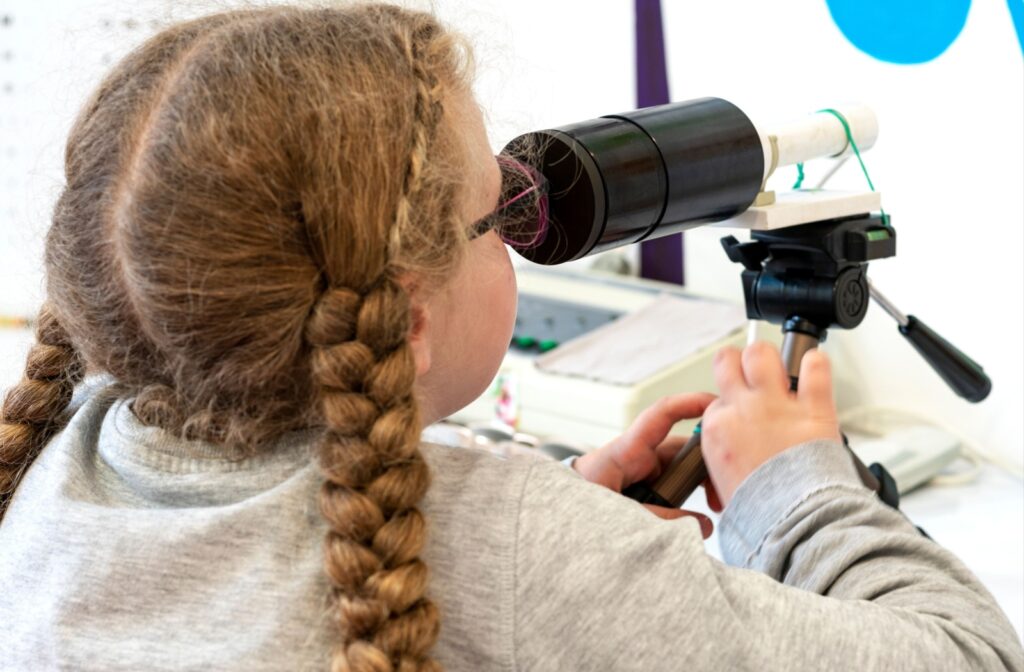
x=900, y=31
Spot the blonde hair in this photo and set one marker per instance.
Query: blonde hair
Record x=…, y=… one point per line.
x=244, y=192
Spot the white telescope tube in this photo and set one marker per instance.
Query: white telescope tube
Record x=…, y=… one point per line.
x=820, y=135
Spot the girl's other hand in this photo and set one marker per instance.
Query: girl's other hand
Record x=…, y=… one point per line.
x=757, y=416
x=646, y=449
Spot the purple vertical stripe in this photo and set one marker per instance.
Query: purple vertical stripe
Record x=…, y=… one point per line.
x=660, y=259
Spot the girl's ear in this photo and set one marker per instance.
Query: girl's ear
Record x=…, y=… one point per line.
x=419, y=337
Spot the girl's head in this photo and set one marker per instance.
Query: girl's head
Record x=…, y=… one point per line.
x=265, y=228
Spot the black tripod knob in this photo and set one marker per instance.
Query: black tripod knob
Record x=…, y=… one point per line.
x=961, y=373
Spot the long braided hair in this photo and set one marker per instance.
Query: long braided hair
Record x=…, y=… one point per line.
x=244, y=194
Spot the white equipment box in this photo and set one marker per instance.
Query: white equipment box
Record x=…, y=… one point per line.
x=558, y=309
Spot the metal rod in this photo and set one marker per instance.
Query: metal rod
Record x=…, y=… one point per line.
x=887, y=305
x=794, y=346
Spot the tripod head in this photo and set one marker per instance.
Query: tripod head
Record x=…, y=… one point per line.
x=817, y=272
x=813, y=277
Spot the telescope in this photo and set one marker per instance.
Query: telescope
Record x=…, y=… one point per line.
x=623, y=178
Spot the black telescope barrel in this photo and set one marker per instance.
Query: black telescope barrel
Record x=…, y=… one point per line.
x=621, y=178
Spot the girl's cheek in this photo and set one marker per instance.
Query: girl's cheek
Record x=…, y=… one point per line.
x=512, y=289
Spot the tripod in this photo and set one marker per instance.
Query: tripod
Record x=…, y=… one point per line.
x=810, y=278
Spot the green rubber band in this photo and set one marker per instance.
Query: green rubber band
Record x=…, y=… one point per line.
x=849, y=139
x=799, y=175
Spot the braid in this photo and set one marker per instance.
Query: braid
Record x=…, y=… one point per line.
x=375, y=475
x=427, y=113
x=33, y=409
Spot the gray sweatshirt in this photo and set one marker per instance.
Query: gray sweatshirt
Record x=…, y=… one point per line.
x=126, y=549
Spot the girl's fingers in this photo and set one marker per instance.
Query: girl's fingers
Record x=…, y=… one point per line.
x=643, y=450
x=667, y=451
x=815, y=384
x=729, y=372
x=652, y=426
x=763, y=368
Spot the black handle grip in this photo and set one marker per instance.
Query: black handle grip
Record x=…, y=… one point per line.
x=684, y=475
x=959, y=371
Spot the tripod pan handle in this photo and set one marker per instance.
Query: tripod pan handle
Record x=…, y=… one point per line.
x=960, y=372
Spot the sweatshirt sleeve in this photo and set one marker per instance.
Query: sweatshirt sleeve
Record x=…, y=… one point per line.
x=828, y=578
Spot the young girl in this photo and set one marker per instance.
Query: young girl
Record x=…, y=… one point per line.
x=268, y=246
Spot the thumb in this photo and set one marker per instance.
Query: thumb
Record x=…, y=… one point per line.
x=815, y=385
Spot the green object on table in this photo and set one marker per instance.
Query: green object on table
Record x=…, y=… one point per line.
x=524, y=342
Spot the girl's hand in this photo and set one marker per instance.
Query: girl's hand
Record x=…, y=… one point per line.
x=646, y=449
x=757, y=416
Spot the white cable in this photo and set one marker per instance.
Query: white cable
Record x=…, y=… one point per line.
x=969, y=475
x=877, y=420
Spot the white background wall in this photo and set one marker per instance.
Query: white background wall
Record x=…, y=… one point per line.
x=949, y=160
